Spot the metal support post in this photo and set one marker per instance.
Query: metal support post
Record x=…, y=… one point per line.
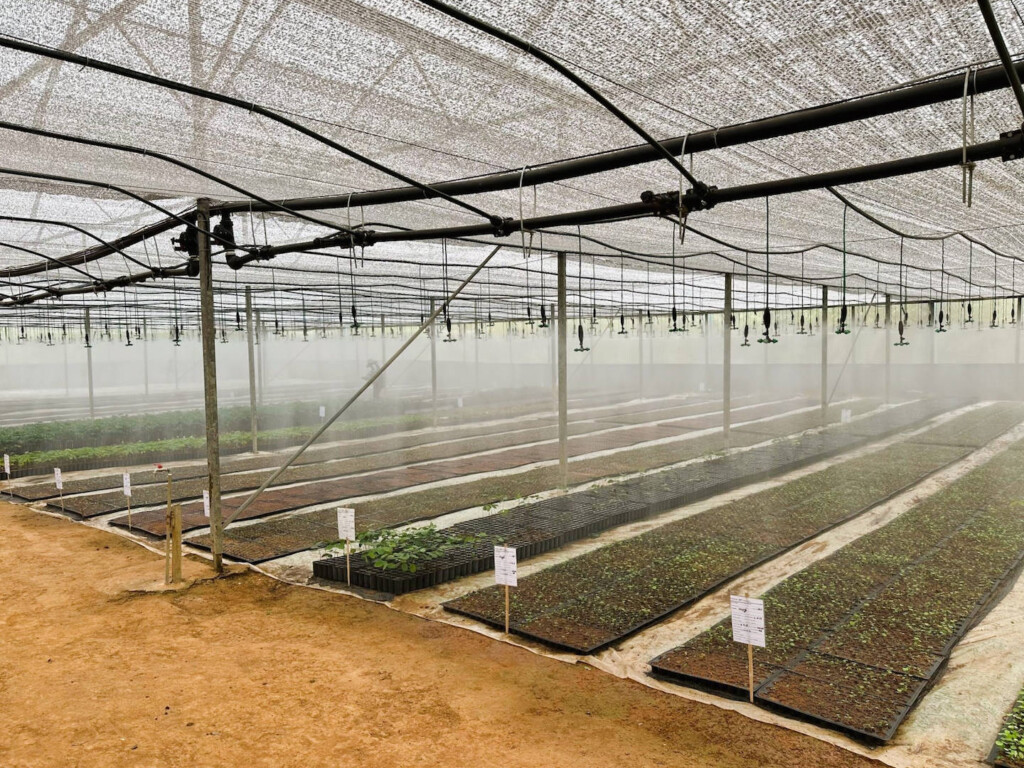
x=563, y=384
x=253, y=420
x=209, y=336
x=824, y=355
x=727, y=360
x=88, y=361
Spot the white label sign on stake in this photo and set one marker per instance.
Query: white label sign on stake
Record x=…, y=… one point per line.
x=845, y=415
x=126, y=479
x=206, y=503
x=505, y=568
x=323, y=411
x=7, y=465
x=346, y=524
x=58, y=479
x=747, y=620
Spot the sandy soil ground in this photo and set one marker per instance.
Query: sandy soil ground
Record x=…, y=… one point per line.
x=96, y=669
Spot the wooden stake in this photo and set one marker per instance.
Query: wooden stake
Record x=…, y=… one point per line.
x=750, y=670
x=168, y=526
x=506, y=609
x=167, y=533
x=348, y=569
x=176, y=544
x=129, y=514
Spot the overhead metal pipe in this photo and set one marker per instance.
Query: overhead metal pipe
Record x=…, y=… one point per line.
x=909, y=97
x=189, y=269
x=1010, y=146
x=1004, y=53
x=903, y=99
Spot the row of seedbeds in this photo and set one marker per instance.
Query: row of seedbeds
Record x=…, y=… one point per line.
x=178, y=435
x=854, y=640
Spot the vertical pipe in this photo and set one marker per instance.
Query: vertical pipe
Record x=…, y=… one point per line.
x=931, y=351
x=554, y=355
x=888, y=347
x=640, y=353
x=727, y=360
x=145, y=356
x=1016, y=349
x=824, y=355
x=433, y=363
x=67, y=379
x=478, y=332
x=563, y=385
x=253, y=426
x=208, y=332
x=707, y=351
x=260, y=356
x=88, y=361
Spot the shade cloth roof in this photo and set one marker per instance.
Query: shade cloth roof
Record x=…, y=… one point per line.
x=420, y=92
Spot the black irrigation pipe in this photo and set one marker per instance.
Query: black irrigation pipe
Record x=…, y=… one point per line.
x=658, y=259
x=68, y=225
x=901, y=99
x=190, y=269
x=1004, y=53
x=178, y=219
x=1008, y=147
x=546, y=58
x=909, y=236
x=173, y=161
x=250, y=106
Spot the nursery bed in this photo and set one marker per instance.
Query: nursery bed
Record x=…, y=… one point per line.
x=856, y=639
x=590, y=602
x=271, y=539
x=150, y=489
x=310, y=494
x=539, y=527
x=360, y=442
x=1008, y=751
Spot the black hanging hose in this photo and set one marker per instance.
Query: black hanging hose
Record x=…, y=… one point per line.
x=173, y=161
x=25, y=46
x=551, y=61
x=1004, y=53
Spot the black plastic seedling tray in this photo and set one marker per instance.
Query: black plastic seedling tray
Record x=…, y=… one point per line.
x=595, y=510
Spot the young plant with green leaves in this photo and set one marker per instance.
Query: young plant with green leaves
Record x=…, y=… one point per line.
x=406, y=549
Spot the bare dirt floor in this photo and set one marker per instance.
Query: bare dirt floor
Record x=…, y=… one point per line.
x=98, y=669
